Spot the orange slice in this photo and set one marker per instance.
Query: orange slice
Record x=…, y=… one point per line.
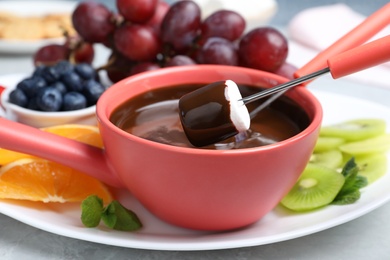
x=82, y=133
x=41, y=180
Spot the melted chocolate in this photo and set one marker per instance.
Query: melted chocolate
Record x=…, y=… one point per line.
x=155, y=116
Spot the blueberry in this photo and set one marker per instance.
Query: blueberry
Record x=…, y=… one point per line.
x=51, y=74
x=85, y=70
x=30, y=86
x=73, y=101
x=39, y=71
x=72, y=81
x=63, y=67
x=92, y=91
x=18, y=97
x=32, y=104
x=60, y=86
x=49, y=99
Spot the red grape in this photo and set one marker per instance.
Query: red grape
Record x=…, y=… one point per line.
x=263, y=48
x=161, y=10
x=50, y=54
x=137, y=42
x=287, y=70
x=224, y=23
x=93, y=21
x=217, y=51
x=137, y=11
x=181, y=25
x=179, y=60
x=84, y=52
x=80, y=51
x=118, y=67
x=148, y=34
x=144, y=66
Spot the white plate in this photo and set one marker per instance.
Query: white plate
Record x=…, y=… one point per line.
x=32, y=8
x=279, y=225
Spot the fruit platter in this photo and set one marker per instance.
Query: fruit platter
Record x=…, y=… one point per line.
x=279, y=225
x=346, y=176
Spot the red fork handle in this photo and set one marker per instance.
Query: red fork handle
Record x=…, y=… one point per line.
x=360, y=58
x=356, y=37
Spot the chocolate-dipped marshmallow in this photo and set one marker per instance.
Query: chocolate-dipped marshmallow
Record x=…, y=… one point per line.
x=213, y=113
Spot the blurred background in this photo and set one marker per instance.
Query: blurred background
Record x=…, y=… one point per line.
x=287, y=8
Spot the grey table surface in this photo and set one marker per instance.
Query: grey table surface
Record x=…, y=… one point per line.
x=367, y=237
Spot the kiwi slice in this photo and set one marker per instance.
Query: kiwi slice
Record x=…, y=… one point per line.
x=326, y=143
x=378, y=144
x=332, y=159
x=372, y=166
x=317, y=187
x=354, y=130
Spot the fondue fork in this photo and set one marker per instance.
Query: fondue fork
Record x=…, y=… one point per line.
x=340, y=65
x=357, y=36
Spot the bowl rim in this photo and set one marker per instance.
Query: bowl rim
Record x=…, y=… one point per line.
x=103, y=115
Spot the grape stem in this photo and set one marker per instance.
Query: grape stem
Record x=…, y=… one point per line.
x=284, y=86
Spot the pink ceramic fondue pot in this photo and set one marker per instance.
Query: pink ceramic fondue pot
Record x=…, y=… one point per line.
x=189, y=187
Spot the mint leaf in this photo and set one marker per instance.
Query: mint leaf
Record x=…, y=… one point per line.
x=361, y=181
x=91, y=210
x=350, y=168
x=118, y=217
x=347, y=198
x=350, y=192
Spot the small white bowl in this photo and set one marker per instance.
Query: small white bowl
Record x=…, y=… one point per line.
x=86, y=116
